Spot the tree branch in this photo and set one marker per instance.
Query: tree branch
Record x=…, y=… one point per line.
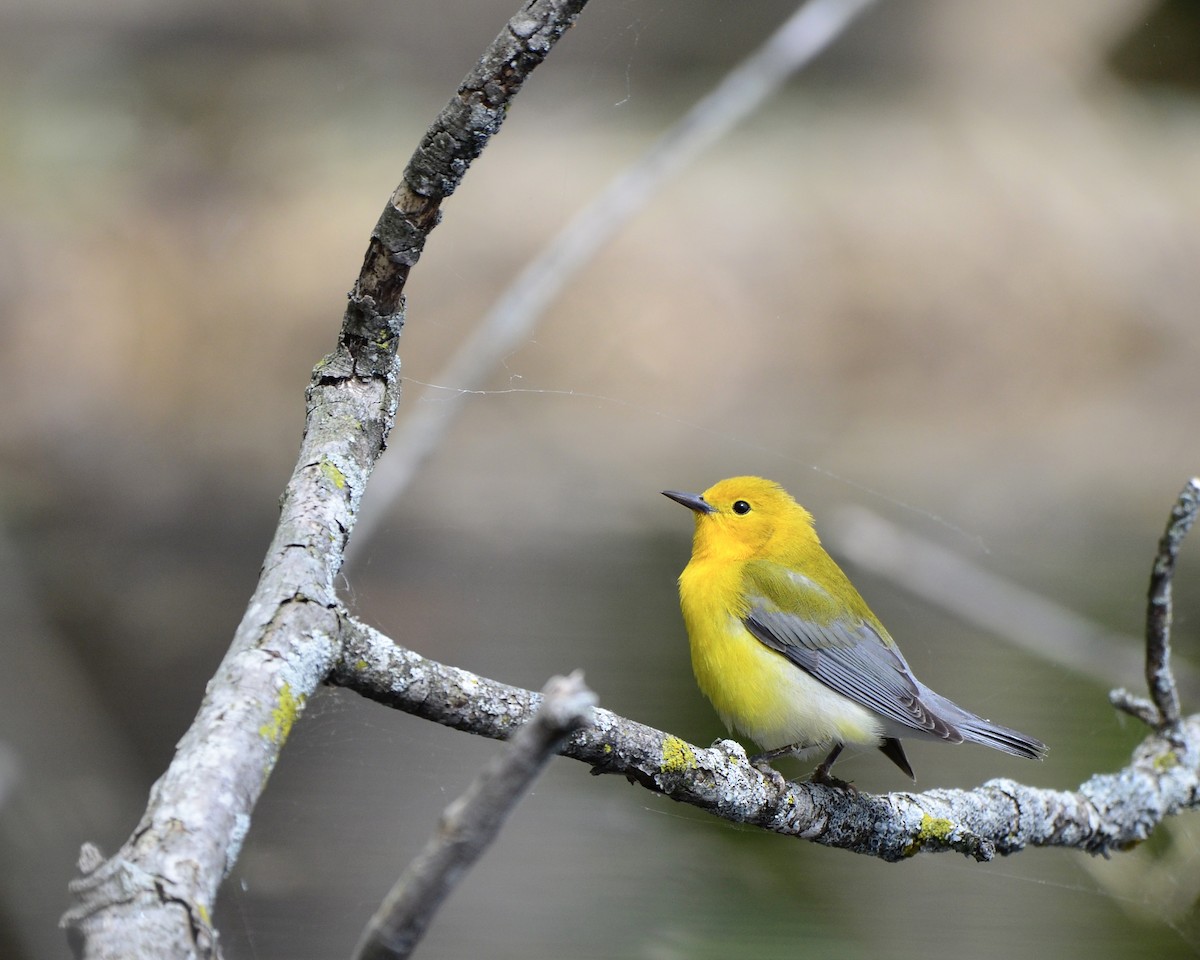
x=1108, y=812
x=452, y=143
x=472, y=821
x=154, y=897
x=1158, y=613
x=1161, y=710
x=1040, y=626
x=796, y=43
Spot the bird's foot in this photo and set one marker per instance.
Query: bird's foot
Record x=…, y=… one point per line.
x=768, y=755
x=764, y=767
x=827, y=779
x=823, y=776
x=762, y=762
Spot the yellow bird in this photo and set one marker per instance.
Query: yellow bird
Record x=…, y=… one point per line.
x=787, y=650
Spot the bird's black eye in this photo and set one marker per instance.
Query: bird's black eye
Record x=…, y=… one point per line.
x=740, y=507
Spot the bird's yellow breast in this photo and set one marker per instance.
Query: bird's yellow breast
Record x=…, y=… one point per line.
x=752, y=687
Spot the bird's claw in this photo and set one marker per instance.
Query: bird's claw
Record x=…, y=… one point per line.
x=764, y=767
x=827, y=779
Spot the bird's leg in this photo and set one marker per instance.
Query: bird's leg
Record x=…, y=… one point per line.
x=762, y=763
x=822, y=774
x=768, y=755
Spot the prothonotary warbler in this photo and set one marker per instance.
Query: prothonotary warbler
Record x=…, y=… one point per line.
x=787, y=650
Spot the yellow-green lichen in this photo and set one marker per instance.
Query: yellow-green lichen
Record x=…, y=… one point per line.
x=203, y=914
x=361, y=664
x=933, y=830
x=1166, y=761
x=677, y=756
x=283, y=716
x=333, y=474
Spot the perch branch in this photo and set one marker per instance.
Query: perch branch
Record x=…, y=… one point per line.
x=155, y=896
x=1108, y=812
x=471, y=822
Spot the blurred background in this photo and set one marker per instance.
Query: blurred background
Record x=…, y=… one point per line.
x=948, y=276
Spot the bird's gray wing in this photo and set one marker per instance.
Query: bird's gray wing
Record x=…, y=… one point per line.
x=850, y=657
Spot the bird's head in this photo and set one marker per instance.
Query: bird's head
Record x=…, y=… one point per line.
x=745, y=517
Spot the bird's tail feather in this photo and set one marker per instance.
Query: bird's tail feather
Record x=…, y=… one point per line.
x=978, y=730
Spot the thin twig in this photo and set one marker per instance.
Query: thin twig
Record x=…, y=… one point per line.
x=472, y=821
x=809, y=31
x=1040, y=626
x=1159, y=677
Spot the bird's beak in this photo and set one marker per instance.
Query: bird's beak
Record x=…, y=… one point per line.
x=693, y=501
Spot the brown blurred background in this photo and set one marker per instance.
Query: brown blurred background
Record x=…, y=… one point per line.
x=949, y=275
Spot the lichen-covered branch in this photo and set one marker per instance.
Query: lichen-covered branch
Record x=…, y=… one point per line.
x=155, y=896
x=1108, y=812
x=472, y=821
